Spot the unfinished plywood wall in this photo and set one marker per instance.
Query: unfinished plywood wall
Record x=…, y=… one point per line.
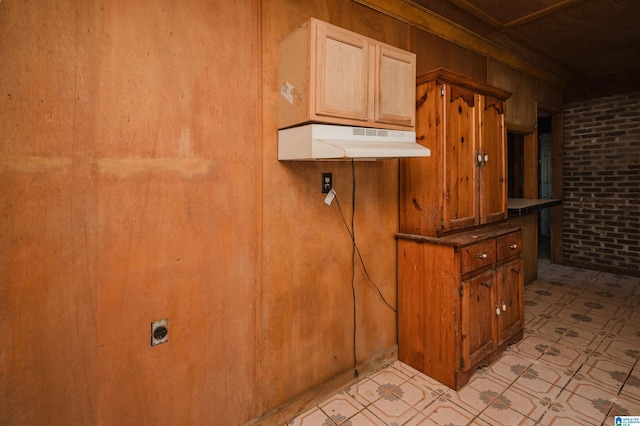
x=129, y=172
x=140, y=181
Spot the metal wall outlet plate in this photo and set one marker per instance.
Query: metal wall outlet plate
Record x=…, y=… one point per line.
x=160, y=331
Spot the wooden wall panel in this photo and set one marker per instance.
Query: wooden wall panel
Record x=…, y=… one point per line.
x=131, y=153
x=549, y=97
x=522, y=112
x=307, y=311
x=47, y=285
x=433, y=52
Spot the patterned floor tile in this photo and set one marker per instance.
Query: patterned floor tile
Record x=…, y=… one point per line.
x=340, y=407
x=623, y=406
x=392, y=409
x=435, y=387
x=389, y=376
x=448, y=413
x=590, y=405
x=631, y=387
x=415, y=395
x=313, y=417
x=605, y=372
x=365, y=391
x=533, y=347
x=478, y=394
x=577, y=364
x=405, y=369
x=541, y=379
x=554, y=419
x=509, y=367
x=621, y=350
x=629, y=330
x=524, y=403
x=363, y=418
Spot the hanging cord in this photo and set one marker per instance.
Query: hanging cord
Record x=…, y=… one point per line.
x=355, y=250
x=353, y=265
x=389, y=305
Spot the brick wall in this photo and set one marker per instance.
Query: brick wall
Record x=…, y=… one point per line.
x=601, y=184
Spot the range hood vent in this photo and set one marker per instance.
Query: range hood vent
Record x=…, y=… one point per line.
x=332, y=142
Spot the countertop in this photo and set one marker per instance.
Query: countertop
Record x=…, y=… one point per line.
x=524, y=206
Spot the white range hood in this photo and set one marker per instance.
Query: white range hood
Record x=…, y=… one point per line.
x=332, y=142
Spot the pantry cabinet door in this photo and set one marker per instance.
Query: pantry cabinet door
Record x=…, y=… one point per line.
x=394, y=86
x=493, y=168
x=460, y=197
x=342, y=70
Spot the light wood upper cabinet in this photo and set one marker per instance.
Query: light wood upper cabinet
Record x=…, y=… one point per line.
x=328, y=74
x=464, y=183
x=395, y=86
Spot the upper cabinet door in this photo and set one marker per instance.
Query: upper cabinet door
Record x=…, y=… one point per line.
x=493, y=169
x=342, y=71
x=395, y=88
x=460, y=204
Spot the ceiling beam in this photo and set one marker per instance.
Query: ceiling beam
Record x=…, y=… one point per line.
x=540, y=13
x=424, y=19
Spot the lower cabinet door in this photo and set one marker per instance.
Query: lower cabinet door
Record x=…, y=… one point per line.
x=478, y=316
x=509, y=299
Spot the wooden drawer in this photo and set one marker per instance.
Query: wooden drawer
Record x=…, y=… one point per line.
x=478, y=255
x=509, y=245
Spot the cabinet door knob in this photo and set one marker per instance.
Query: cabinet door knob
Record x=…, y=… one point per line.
x=504, y=305
x=497, y=309
x=513, y=246
x=482, y=255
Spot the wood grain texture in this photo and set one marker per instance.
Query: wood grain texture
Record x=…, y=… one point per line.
x=522, y=106
x=306, y=322
x=131, y=156
x=448, y=296
x=463, y=184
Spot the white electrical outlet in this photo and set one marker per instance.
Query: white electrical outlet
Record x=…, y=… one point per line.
x=160, y=331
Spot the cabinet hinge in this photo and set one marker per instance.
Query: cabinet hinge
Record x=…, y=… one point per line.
x=461, y=363
x=461, y=291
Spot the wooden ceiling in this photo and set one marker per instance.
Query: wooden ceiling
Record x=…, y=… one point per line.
x=582, y=38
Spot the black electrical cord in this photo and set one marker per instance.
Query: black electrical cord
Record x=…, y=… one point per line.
x=361, y=259
x=355, y=250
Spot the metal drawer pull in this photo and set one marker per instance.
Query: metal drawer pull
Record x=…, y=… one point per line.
x=497, y=309
x=482, y=255
x=513, y=246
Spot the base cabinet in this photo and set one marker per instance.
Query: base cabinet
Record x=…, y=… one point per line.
x=459, y=300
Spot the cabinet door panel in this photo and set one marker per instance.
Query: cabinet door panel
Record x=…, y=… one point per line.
x=395, y=80
x=478, y=319
x=461, y=190
x=342, y=73
x=509, y=297
x=493, y=186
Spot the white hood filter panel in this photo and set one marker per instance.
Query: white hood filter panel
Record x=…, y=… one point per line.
x=331, y=142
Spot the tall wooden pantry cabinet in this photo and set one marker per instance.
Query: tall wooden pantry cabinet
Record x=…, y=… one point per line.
x=459, y=264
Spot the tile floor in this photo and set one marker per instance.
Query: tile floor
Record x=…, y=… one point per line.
x=576, y=365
